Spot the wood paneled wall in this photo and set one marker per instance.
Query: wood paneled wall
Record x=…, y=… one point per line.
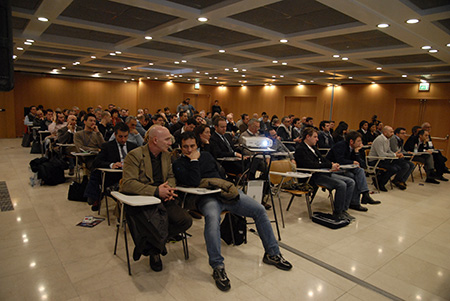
x=352, y=103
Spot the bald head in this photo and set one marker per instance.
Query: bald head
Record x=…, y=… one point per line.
x=426, y=126
x=158, y=138
x=388, y=131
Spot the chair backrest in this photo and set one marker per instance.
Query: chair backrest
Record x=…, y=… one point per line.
x=280, y=166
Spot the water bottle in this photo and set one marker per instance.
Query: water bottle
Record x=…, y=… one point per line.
x=416, y=148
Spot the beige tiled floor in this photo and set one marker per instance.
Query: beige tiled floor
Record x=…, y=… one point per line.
x=401, y=246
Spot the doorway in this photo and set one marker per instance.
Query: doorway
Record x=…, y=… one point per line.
x=199, y=101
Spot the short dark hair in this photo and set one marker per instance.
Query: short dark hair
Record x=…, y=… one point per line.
x=187, y=135
x=49, y=110
x=192, y=121
x=121, y=126
x=322, y=124
x=363, y=122
x=166, y=108
x=414, y=129
x=308, y=131
x=243, y=116
x=296, y=119
x=309, y=118
x=421, y=132
x=352, y=135
x=182, y=112
x=217, y=119
x=398, y=130
x=156, y=116
x=86, y=117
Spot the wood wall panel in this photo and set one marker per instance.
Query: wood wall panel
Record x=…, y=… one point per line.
x=7, y=118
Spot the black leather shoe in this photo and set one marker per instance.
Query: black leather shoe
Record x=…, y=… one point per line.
x=156, y=263
x=399, y=185
x=432, y=181
x=358, y=208
x=366, y=199
x=221, y=279
x=441, y=178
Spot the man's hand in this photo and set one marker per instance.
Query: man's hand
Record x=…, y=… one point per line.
x=399, y=154
x=429, y=151
x=166, y=192
x=298, y=140
x=356, y=163
x=95, y=128
x=117, y=165
x=134, y=132
x=334, y=167
x=194, y=155
x=238, y=155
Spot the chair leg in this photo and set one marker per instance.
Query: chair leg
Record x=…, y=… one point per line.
x=308, y=204
x=117, y=237
x=185, y=246
x=420, y=171
x=126, y=247
x=107, y=209
x=290, y=202
x=281, y=208
x=231, y=228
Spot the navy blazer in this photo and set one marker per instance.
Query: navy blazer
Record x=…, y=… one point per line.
x=109, y=153
x=340, y=153
x=304, y=157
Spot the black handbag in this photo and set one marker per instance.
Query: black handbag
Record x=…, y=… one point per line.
x=76, y=190
x=26, y=140
x=36, y=147
x=237, y=229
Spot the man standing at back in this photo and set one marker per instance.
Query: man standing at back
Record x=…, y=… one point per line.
x=147, y=170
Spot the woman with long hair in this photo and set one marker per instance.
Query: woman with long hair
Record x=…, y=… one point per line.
x=203, y=134
x=340, y=131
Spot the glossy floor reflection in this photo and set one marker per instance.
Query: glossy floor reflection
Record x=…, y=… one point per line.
x=401, y=246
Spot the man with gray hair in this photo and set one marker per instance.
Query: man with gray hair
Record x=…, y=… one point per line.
x=396, y=166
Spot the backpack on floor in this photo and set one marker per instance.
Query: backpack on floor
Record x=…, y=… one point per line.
x=76, y=190
x=237, y=229
x=327, y=220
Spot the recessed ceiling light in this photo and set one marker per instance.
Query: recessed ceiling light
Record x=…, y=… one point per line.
x=423, y=81
x=109, y=71
x=30, y=40
x=93, y=57
x=28, y=43
x=96, y=75
x=128, y=68
x=243, y=75
x=124, y=68
x=206, y=73
x=383, y=25
x=151, y=64
x=281, y=75
x=19, y=48
x=64, y=68
x=176, y=62
x=183, y=61
x=274, y=76
x=275, y=62
x=373, y=83
x=244, y=70
x=202, y=19
x=55, y=70
x=336, y=55
x=43, y=19
x=283, y=40
x=345, y=58
x=404, y=75
x=198, y=72
x=284, y=63
x=448, y=45
x=433, y=50
x=412, y=21
x=426, y=47
x=379, y=68
x=118, y=52
x=148, y=38
x=221, y=50
x=311, y=81
x=215, y=77
x=350, y=77
x=321, y=71
x=112, y=53
x=227, y=69
x=236, y=70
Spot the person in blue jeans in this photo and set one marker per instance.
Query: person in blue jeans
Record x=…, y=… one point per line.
x=189, y=170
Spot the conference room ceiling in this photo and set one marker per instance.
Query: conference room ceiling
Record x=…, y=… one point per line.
x=328, y=41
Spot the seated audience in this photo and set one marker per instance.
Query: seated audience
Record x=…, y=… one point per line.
x=396, y=143
x=195, y=167
x=203, y=136
x=364, y=130
x=112, y=155
x=105, y=127
x=65, y=135
x=242, y=124
x=279, y=147
x=142, y=121
x=371, y=134
x=58, y=124
x=30, y=116
x=420, y=143
x=308, y=156
x=183, y=117
x=339, y=133
x=147, y=170
x=133, y=135
x=399, y=167
x=264, y=127
x=89, y=140
x=325, y=137
x=297, y=129
x=231, y=125
x=439, y=159
x=189, y=126
x=347, y=152
x=284, y=131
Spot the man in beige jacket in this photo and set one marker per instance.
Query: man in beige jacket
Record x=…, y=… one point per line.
x=147, y=170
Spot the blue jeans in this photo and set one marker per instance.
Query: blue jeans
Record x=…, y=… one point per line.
x=359, y=176
x=344, y=188
x=211, y=208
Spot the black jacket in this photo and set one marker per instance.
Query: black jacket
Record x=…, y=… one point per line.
x=189, y=173
x=219, y=149
x=110, y=154
x=340, y=153
x=305, y=158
